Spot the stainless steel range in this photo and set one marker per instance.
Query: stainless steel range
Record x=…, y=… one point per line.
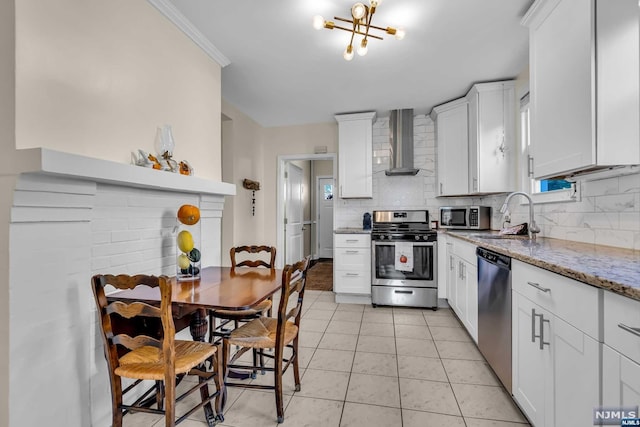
x=404, y=259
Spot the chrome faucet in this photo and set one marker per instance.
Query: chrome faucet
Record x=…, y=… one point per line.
x=506, y=215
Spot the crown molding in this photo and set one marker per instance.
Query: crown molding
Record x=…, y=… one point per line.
x=179, y=20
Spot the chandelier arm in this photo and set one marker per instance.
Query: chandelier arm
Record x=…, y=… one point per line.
x=356, y=32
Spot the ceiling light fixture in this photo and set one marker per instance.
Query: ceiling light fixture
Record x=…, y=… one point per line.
x=361, y=24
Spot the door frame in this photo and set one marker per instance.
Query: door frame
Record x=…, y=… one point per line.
x=318, y=178
x=280, y=193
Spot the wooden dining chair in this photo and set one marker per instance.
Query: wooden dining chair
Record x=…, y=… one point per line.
x=139, y=344
x=264, y=307
x=268, y=333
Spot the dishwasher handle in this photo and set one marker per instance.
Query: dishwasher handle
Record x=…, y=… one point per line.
x=494, y=258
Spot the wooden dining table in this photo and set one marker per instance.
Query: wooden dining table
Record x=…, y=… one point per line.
x=218, y=288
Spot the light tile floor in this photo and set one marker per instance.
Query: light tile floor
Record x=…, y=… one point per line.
x=366, y=367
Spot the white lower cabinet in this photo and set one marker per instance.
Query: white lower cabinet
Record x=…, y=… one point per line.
x=621, y=352
x=462, y=283
x=556, y=366
x=352, y=264
x=620, y=379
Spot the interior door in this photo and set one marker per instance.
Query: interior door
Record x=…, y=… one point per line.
x=325, y=216
x=294, y=239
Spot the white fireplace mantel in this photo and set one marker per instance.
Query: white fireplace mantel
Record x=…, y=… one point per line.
x=57, y=163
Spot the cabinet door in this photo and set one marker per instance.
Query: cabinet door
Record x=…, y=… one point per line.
x=470, y=277
x=576, y=382
x=451, y=275
x=460, y=304
x=531, y=365
x=355, y=159
x=562, y=99
x=453, y=161
x=620, y=379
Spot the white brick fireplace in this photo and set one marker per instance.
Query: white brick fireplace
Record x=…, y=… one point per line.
x=73, y=217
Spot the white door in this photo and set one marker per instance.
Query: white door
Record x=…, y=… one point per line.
x=324, y=217
x=294, y=239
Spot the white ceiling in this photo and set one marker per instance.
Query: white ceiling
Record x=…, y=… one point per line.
x=284, y=72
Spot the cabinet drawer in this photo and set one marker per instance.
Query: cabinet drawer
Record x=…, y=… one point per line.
x=466, y=251
x=349, y=258
x=621, y=313
x=574, y=302
x=352, y=282
x=352, y=240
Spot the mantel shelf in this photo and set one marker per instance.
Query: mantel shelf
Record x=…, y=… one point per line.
x=51, y=162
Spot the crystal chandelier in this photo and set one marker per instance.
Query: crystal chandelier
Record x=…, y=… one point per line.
x=361, y=24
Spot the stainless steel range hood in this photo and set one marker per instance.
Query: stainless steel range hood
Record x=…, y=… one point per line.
x=401, y=141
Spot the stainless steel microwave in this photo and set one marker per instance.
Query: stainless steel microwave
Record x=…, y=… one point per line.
x=466, y=217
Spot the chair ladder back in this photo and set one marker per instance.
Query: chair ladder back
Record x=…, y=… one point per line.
x=294, y=278
x=253, y=249
x=132, y=310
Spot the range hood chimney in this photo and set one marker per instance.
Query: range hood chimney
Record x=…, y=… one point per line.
x=401, y=142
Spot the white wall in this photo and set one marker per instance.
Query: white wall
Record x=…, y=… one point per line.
x=98, y=78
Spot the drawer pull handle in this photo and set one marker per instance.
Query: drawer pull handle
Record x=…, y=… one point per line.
x=403, y=292
x=634, y=331
x=538, y=287
x=352, y=274
x=352, y=240
x=353, y=252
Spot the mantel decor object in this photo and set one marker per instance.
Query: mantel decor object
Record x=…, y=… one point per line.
x=163, y=160
x=188, y=243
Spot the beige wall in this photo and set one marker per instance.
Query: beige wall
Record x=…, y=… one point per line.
x=98, y=77
x=242, y=153
x=251, y=151
x=7, y=143
x=290, y=140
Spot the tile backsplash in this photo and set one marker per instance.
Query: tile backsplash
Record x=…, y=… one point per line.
x=607, y=212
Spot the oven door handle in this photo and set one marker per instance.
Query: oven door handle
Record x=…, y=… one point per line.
x=415, y=243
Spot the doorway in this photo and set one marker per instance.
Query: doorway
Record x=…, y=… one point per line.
x=324, y=215
x=313, y=166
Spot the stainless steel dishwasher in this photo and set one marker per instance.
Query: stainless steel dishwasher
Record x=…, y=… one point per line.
x=494, y=312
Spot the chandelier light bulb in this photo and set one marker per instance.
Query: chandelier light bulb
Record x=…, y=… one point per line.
x=362, y=49
x=375, y=3
x=348, y=53
x=358, y=11
x=318, y=22
x=400, y=33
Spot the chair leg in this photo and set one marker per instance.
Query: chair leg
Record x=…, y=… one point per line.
x=255, y=363
x=116, y=401
x=226, y=352
x=277, y=374
x=296, y=370
x=218, y=380
x=160, y=395
x=170, y=401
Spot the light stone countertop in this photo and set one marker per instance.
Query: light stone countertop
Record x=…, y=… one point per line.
x=351, y=230
x=607, y=267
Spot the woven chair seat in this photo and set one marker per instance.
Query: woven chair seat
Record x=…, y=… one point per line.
x=261, y=333
x=243, y=314
x=146, y=362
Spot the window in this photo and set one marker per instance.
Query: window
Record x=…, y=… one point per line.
x=543, y=190
x=328, y=191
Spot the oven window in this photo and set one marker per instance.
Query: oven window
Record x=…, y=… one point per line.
x=422, y=263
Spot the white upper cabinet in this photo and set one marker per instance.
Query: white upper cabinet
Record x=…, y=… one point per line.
x=355, y=155
x=452, y=134
x=585, y=102
x=492, y=147
x=476, y=141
